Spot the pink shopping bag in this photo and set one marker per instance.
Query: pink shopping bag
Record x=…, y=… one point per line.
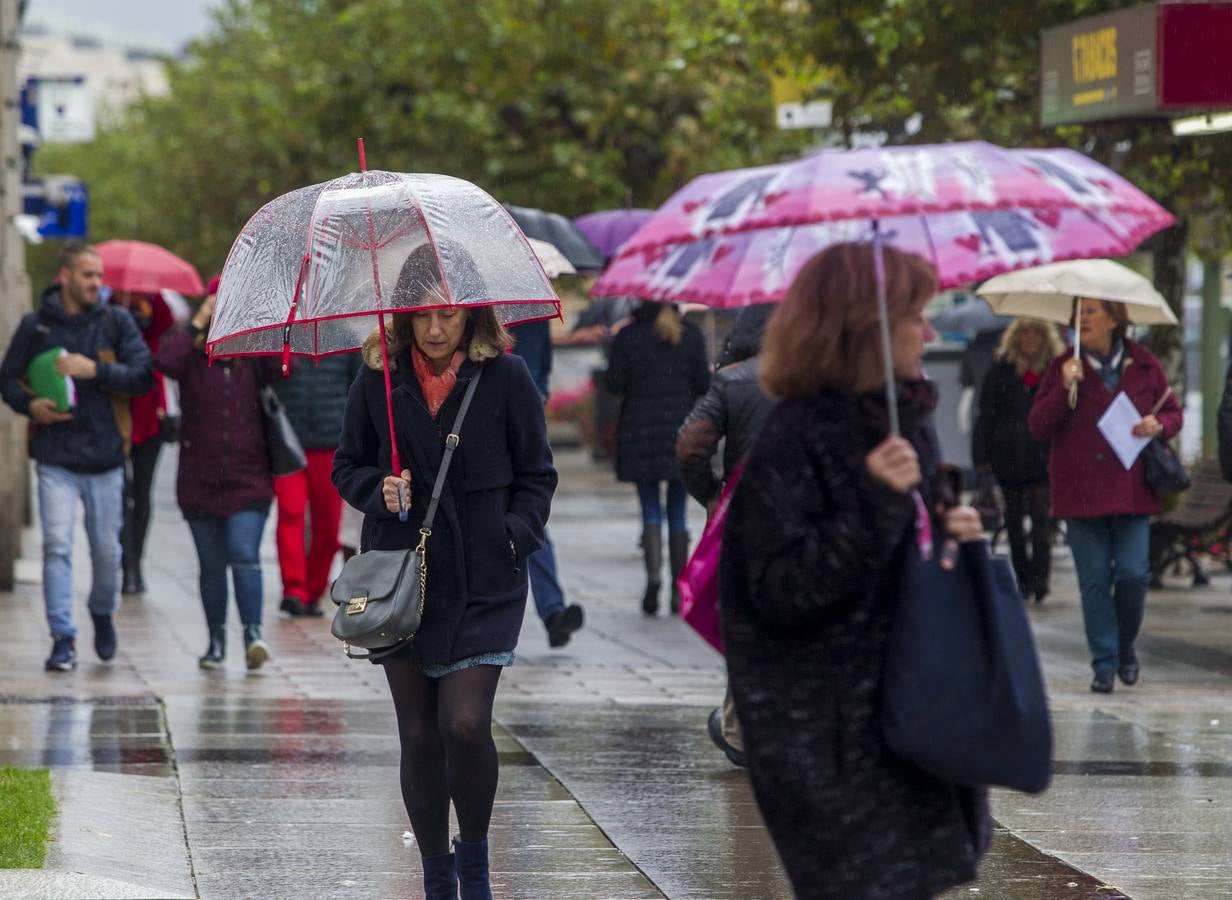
x=699, y=579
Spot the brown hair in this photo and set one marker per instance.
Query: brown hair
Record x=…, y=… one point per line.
x=1119, y=314
x=825, y=332
x=485, y=337
x=1052, y=347
x=70, y=252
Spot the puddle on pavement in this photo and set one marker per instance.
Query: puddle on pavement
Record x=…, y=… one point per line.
x=122, y=735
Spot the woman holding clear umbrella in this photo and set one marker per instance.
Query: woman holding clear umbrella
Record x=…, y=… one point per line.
x=1107, y=506
x=490, y=520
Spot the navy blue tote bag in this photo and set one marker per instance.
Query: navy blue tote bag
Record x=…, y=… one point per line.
x=963, y=695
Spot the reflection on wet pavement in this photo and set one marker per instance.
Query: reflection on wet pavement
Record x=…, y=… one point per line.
x=301, y=798
x=284, y=782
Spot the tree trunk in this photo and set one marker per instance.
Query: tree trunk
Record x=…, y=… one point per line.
x=14, y=299
x=1171, y=255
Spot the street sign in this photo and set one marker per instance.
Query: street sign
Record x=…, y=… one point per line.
x=60, y=109
x=60, y=204
x=794, y=89
x=1153, y=60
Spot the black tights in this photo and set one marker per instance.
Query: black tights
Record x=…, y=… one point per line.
x=1029, y=500
x=445, y=725
x=137, y=485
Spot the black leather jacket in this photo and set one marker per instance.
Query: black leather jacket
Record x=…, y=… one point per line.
x=734, y=408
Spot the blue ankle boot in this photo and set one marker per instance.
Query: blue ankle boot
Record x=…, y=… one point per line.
x=473, y=870
x=440, y=877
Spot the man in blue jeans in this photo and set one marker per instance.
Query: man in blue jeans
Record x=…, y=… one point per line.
x=80, y=453
x=534, y=345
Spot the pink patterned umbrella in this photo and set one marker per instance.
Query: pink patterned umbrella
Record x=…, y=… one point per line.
x=973, y=210
x=734, y=270
x=834, y=185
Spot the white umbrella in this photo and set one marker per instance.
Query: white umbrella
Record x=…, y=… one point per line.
x=553, y=261
x=1048, y=292
x=1052, y=293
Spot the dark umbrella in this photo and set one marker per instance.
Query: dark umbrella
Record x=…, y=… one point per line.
x=559, y=231
x=971, y=317
x=612, y=227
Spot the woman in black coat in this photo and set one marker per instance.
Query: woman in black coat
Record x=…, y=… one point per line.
x=658, y=368
x=813, y=544
x=1003, y=446
x=491, y=518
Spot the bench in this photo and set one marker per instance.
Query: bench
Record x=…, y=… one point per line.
x=1200, y=514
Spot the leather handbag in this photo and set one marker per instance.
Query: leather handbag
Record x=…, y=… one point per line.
x=380, y=593
x=286, y=454
x=963, y=693
x=1165, y=474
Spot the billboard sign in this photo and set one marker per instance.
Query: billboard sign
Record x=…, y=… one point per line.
x=1153, y=60
x=1102, y=67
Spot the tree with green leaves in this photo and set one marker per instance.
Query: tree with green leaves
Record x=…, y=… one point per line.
x=571, y=105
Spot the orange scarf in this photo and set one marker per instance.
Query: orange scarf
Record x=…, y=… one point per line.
x=435, y=387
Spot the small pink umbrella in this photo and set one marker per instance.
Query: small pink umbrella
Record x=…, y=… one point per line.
x=972, y=209
x=141, y=268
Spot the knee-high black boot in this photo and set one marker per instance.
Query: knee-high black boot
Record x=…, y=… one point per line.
x=678, y=555
x=652, y=553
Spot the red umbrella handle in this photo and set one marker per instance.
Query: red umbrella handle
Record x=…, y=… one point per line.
x=395, y=460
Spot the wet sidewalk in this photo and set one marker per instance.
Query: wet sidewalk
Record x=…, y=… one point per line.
x=284, y=782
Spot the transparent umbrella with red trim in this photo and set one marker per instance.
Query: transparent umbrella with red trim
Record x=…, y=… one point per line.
x=316, y=271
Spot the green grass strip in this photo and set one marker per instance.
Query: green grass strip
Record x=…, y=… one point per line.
x=26, y=810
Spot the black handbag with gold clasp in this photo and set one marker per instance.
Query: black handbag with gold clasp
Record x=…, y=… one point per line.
x=380, y=593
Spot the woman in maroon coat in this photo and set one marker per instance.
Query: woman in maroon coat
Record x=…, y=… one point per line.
x=225, y=484
x=1107, y=507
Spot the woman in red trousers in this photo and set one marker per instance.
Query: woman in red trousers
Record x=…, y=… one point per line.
x=309, y=508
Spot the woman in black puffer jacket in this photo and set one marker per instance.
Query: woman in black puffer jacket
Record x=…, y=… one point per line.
x=658, y=369
x=1002, y=446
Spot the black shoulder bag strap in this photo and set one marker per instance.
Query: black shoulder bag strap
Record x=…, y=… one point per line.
x=425, y=530
x=451, y=444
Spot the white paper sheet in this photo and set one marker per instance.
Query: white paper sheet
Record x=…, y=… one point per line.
x=1117, y=425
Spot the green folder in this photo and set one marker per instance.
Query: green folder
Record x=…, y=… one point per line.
x=45, y=381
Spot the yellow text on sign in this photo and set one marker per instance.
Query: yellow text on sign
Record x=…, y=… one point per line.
x=1094, y=55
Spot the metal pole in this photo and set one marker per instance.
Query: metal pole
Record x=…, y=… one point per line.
x=14, y=296
x=883, y=314
x=1214, y=333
